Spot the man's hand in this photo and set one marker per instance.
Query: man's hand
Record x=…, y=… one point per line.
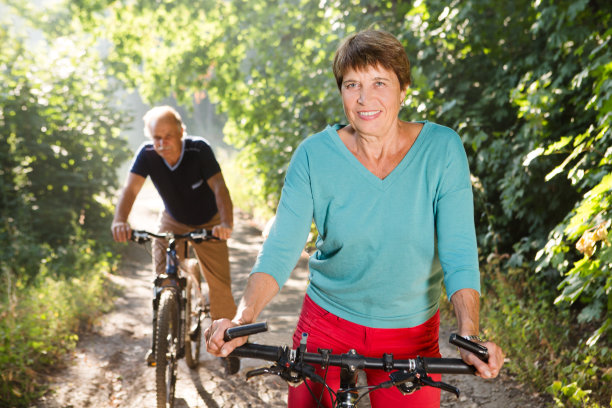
x=222, y=231
x=486, y=370
x=121, y=231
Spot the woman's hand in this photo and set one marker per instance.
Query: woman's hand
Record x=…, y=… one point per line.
x=495, y=363
x=260, y=289
x=213, y=336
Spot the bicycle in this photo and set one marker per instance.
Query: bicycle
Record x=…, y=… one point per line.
x=179, y=310
x=295, y=365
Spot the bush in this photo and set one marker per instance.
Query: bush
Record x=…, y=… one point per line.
x=59, y=150
x=39, y=322
x=543, y=342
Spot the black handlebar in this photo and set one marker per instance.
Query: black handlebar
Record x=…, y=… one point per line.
x=244, y=330
x=387, y=363
x=478, y=349
x=431, y=365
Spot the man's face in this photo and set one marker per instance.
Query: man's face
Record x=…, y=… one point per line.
x=167, y=137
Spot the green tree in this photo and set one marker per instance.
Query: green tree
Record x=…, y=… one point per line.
x=59, y=151
x=60, y=145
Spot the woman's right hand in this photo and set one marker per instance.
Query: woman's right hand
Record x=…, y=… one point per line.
x=215, y=344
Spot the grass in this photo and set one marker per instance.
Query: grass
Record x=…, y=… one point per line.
x=40, y=323
x=545, y=348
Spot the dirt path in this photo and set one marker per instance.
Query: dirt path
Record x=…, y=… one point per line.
x=107, y=368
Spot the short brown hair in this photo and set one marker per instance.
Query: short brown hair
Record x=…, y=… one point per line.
x=370, y=48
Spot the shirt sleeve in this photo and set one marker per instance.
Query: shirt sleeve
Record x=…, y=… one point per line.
x=289, y=232
x=139, y=163
x=209, y=163
x=455, y=228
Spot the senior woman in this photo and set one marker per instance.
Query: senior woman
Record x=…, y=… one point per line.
x=380, y=191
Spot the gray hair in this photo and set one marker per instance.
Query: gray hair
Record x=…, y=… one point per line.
x=154, y=114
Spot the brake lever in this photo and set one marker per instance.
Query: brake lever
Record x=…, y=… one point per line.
x=439, y=384
x=288, y=374
x=261, y=371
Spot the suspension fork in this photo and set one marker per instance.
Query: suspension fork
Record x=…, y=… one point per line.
x=172, y=264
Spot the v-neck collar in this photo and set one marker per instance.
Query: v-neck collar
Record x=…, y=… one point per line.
x=178, y=163
x=382, y=184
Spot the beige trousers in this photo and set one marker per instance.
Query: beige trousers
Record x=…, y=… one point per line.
x=213, y=257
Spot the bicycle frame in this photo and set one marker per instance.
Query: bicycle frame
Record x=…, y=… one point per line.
x=171, y=279
x=174, y=309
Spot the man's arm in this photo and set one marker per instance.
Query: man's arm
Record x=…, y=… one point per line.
x=224, y=205
x=466, y=303
x=120, y=228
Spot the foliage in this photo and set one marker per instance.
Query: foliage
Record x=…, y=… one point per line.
x=59, y=150
x=243, y=194
x=40, y=325
x=264, y=63
x=548, y=352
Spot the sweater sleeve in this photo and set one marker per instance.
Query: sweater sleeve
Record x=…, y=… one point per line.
x=455, y=229
x=289, y=232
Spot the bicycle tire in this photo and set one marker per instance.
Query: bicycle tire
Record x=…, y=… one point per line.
x=193, y=325
x=166, y=348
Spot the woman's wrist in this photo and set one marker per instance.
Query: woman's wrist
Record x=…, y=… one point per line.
x=244, y=316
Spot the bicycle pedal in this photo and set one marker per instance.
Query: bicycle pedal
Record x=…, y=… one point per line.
x=150, y=358
x=231, y=364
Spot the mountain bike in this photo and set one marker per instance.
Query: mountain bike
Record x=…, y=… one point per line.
x=296, y=365
x=179, y=309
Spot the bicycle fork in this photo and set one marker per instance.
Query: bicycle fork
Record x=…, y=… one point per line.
x=170, y=280
x=155, y=304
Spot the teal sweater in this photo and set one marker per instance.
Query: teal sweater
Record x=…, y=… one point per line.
x=374, y=263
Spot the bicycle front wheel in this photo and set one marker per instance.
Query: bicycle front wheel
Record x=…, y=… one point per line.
x=193, y=322
x=166, y=348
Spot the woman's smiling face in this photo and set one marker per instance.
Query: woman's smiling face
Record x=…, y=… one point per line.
x=372, y=99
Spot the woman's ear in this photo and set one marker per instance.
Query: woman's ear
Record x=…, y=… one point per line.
x=403, y=94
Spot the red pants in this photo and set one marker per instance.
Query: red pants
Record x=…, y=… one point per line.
x=328, y=331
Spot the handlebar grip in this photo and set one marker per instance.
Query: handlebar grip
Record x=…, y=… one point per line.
x=245, y=330
x=447, y=366
x=481, y=351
